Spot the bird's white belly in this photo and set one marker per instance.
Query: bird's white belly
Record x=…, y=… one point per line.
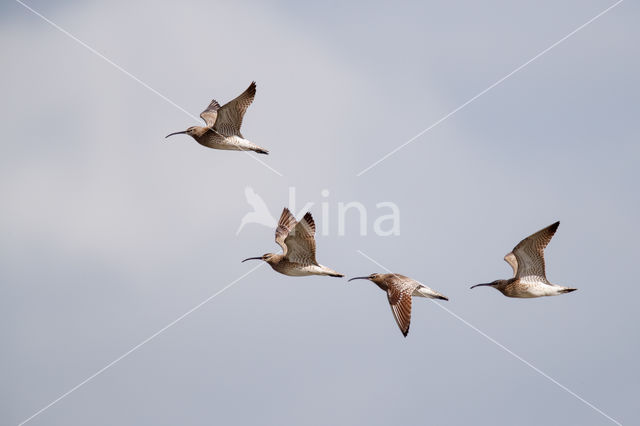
x=233, y=143
x=298, y=273
x=304, y=271
x=226, y=144
x=539, y=290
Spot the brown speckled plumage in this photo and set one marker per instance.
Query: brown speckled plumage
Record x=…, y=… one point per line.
x=297, y=239
x=222, y=130
x=527, y=261
x=400, y=289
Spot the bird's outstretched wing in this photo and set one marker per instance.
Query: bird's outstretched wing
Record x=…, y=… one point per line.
x=285, y=225
x=510, y=258
x=301, y=244
x=529, y=254
x=230, y=114
x=400, y=301
x=210, y=114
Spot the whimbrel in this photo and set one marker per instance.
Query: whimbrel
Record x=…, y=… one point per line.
x=298, y=258
x=399, y=291
x=527, y=261
x=223, y=125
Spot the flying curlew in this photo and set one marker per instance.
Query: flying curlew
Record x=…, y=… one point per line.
x=527, y=260
x=399, y=291
x=298, y=258
x=223, y=125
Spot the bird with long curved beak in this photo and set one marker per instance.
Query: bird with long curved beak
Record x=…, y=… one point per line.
x=527, y=262
x=400, y=289
x=222, y=130
x=298, y=257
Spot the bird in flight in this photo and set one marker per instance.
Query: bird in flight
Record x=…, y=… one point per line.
x=298, y=257
x=400, y=289
x=223, y=125
x=529, y=277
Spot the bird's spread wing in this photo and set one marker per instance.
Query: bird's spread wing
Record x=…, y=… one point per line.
x=529, y=254
x=209, y=115
x=510, y=258
x=285, y=225
x=300, y=242
x=230, y=115
x=400, y=301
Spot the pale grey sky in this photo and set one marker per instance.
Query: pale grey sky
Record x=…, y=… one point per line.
x=109, y=232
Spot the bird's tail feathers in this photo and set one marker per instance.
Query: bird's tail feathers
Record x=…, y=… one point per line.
x=246, y=145
x=261, y=151
x=330, y=272
x=427, y=292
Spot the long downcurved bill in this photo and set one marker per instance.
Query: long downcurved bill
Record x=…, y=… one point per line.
x=478, y=285
x=252, y=258
x=176, y=133
x=359, y=278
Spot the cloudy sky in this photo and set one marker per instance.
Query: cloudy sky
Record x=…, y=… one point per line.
x=109, y=233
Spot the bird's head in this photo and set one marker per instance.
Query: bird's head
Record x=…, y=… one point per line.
x=267, y=257
x=191, y=131
x=494, y=284
x=373, y=277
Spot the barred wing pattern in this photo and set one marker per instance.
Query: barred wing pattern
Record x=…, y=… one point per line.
x=529, y=254
x=210, y=114
x=510, y=258
x=301, y=243
x=285, y=225
x=399, y=292
x=230, y=115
